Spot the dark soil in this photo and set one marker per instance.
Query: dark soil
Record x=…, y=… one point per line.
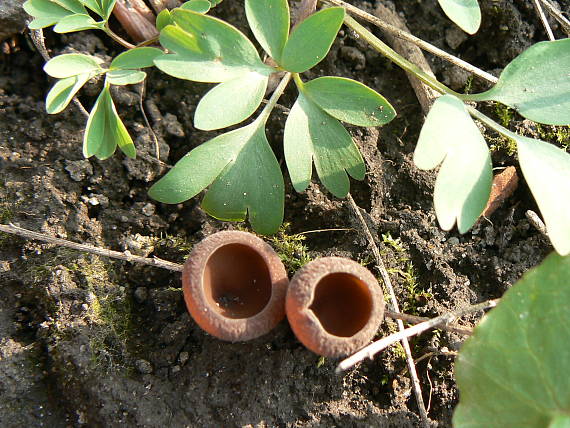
x=86, y=341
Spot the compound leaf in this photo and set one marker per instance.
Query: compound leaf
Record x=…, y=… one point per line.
x=537, y=83
x=350, y=101
x=231, y=102
x=311, y=40
x=107, y=7
x=105, y=130
x=199, y=6
x=313, y=135
x=269, y=22
x=95, y=6
x=73, y=5
x=546, y=169
x=465, y=13
x=463, y=183
x=513, y=370
x=68, y=65
x=242, y=172
x=45, y=13
x=163, y=19
x=136, y=58
x=206, y=49
x=77, y=22
x=125, y=77
x=63, y=92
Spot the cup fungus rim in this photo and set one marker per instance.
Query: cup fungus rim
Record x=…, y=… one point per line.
x=208, y=318
x=305, y=323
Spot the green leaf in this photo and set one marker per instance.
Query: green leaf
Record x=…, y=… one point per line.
x=214, y=3
x=313, y=135
x=107, y=7
x=136, y=58
x=198, y=6
x=513, y=370
x=105, y=130
x=311, y=40
x=45, y=13
x=465, y=13
x=350, y=101
x=95, y=6
x=546, y=169
x=125, y=77
x=163, y=19
x=231, y=102
x=74, y=6
x=206, y=49
x=243, y=175
x=269, y=22
x=463, y=183
x=536, y=83
x=77, y=22
x=63, y=92
x=68, y=65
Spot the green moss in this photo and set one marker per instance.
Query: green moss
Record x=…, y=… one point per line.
x=290, y=248
x=504, y=114
x=173, y=243
x=555, y=134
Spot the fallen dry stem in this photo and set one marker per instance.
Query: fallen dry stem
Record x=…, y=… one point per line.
x=412, y=319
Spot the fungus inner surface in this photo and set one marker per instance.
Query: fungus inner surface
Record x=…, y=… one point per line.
x=342, y=303
x=236, y=281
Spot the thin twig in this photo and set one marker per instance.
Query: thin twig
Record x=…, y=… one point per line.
x=388, y=283
x=413, y=39
x=154, y=137
x=544, y=20
x=127, y=256
x=557, y=14
x=412, y=319
x=372, y=349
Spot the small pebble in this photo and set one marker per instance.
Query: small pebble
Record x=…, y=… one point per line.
x=143, y=366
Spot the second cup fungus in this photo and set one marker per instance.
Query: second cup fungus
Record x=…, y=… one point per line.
x=234, y=286
x=334, y=306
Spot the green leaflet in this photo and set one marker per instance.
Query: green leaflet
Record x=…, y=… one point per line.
x=45, y=13
x=206, y=49
x=67, y=65
x=73, y=5
x=243, y=175
x=77, y=22
x=61, y=94
x=350, y=101
x=107, y=7
x=546, y=169
x=311, y=40
x=463, y=184
x=136, y=58
x=513, y=370
x=105, y=130
x=163, y=19
x=125, y=77
x=95, y=6
x=269, y=22
x=465, y=13
x=313, y=135
x=231, y=102
x=199, y=6
x=536, y=83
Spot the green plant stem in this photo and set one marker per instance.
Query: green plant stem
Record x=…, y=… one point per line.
x=117, y=38
x=264, y=115
x=491, y=123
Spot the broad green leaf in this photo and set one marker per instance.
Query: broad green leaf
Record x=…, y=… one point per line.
x=231, y=102
x=536, y=83
x=242, y=172
x=313, y=135
x=546, y=169
x=105, y=130
x=214, y=3
x=463, y=183
x=45, y=13
x=465, y=13
x=199, y=6
x=269, y=22
x=77, y=22
x=60, y=95
x=107, y=7
x=311, y=40
x=163, y=19
x=73, y=5
x=125, y=77
x=206, y=49
x=95, y=6
x=136, y=58
x=350, y=101
x=513, y=370
x=67, y=65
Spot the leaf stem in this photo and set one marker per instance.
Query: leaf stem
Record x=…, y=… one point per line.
x=117, y=38
x=264, y=115
x=490, y=123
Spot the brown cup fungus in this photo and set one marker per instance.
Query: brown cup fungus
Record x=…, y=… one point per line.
x=234, y=286
x=334, y=306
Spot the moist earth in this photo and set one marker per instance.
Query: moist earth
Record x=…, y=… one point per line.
x=88, y=341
